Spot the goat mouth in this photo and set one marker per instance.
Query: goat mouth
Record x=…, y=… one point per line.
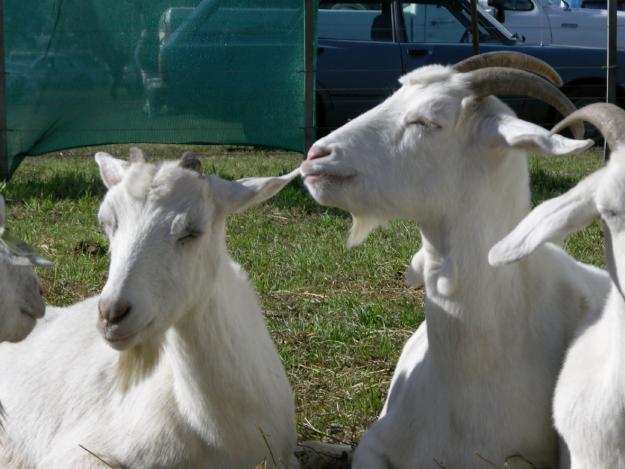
x=30, y=314
x=113, y=337
x=318, y=177
x=325, y=171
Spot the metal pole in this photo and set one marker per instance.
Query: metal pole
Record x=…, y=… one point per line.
x=4, y=152
x=309, y=95
x=611, y=65
x=475, y=32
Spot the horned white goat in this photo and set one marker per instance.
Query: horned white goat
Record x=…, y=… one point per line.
x=589, y=401
x=21, y=301
x=476, y=379
x=187, y=375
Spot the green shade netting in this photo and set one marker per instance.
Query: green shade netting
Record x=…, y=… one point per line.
x=87, y=72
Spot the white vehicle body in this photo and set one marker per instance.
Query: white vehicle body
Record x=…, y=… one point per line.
x=552, y=22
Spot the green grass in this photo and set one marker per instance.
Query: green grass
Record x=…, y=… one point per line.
x=339, y=317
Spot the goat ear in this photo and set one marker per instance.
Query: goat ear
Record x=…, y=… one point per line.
x=236, y=196
x=111, y=169
x=517, y=133
x=551, y=220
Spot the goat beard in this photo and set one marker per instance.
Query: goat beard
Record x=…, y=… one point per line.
x=136, y=364
x=362, y=226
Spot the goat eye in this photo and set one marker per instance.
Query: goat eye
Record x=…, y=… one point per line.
x=188, y=236
x=424, y=123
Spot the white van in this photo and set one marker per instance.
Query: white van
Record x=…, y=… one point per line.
x=555, y=22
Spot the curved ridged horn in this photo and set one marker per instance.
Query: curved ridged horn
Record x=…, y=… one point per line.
x=190, y=161
x=136, y=155
x=607, y=118
x=510, y=59
x=511, y=82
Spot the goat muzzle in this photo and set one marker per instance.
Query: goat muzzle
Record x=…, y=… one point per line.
x=113, y=312
x=316, y=152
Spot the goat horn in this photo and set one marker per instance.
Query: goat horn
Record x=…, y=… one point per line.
x=136, y=155
x=510, y=59
x=607, y=118
x=190, y=161
x=509, y=81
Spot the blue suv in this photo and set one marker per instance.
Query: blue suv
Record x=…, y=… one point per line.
x=364, y=47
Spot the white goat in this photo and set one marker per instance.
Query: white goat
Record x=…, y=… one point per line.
x=187, y=375
x=476, y=379
x=589, y=402
x=21, y=301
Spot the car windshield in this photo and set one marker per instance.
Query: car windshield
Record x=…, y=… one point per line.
x=445, y=21
x=493, y=22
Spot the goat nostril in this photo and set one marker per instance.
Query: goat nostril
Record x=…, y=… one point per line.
x=317, y=152
x=113, y=313
x=120, y=312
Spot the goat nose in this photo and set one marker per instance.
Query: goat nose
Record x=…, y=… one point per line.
x=113, y=312
x=317, y=152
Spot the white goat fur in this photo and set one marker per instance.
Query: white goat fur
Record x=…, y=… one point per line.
x=477, y=377
x=197, y=380
x=589, y=402
x=413, y=276
x=21, y=303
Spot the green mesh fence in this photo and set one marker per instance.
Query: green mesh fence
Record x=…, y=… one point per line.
x=86, y=72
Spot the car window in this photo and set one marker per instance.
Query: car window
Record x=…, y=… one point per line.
x=601, y=4
x=518, y=5
x=355, y=21
x=428, y=22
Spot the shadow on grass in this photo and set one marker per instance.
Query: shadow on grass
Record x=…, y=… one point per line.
x=546, y=185
x=60, y=186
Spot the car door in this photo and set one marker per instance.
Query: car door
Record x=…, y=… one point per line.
x=577, y=27
x=439, y=32
x=358, y=61
x=436, y=31
x=528, y=18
